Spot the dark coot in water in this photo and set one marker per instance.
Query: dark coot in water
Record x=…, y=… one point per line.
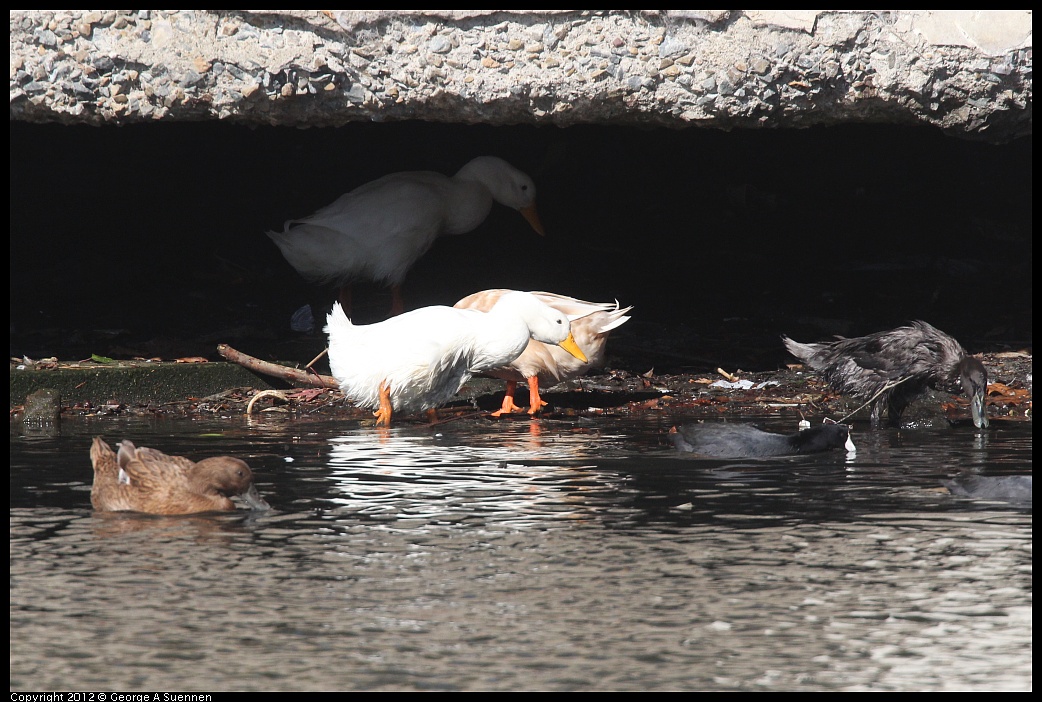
x=743, y=441
x=1003, y=488
x=892, y=368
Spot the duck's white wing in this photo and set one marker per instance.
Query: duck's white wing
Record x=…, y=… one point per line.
x=378, y=230
x=590, y=323
x=375, y=232
x=422, y=355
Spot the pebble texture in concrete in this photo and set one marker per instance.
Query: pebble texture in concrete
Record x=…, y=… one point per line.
x=966, y=72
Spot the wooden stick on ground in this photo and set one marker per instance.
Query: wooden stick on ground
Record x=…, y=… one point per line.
x=295, y=376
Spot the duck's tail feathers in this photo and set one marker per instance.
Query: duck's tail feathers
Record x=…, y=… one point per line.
x=337, y=320
x=127, y=453
x=337, y=314
x=616, y=318
x=605, y=309
x=279, y=237
x=800, y=351
x=99, y=453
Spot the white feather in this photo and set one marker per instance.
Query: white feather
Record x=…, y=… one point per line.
x=377, y=231
x=591, y=322
x=426, y=355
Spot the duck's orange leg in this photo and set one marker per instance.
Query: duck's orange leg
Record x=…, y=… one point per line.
x=383, y=415
x=535, y=403
x=508, y=401
x=344, y=296
x=397, y=303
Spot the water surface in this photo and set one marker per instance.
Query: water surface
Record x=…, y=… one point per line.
x=580, y=554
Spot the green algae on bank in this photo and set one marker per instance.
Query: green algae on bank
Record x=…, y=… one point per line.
x=130, y=382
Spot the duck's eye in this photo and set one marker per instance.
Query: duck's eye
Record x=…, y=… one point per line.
x=524, y=187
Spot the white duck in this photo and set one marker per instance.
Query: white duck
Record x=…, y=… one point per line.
x=380, y=229
x=418, y=360
x=591, y=323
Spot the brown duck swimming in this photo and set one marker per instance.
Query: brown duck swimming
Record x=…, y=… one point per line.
x=146, y=480
x=890, y=369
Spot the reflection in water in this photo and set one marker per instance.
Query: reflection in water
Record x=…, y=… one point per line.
x=162, y=529
x=524, y=555
x=438, y=477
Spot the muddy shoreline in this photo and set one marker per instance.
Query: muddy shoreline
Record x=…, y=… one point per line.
x=619, y=389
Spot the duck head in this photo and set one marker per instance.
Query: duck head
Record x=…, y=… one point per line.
x=974, y=377
x=232, y=477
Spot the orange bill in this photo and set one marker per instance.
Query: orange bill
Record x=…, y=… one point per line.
x=532, y=217
x=571, y=347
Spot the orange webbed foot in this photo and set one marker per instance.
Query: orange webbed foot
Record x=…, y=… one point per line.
x=383, y=415
x=535, y=402
x=508, y=406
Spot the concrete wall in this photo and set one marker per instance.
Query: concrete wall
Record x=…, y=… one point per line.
x=966, y=72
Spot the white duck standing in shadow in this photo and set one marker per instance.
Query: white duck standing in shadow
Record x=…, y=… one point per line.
x=380, y=229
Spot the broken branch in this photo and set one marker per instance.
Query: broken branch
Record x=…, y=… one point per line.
x=294, y=376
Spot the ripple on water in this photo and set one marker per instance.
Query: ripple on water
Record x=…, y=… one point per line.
x=501, y=557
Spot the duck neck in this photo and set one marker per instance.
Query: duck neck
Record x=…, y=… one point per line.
x=502, y=337
x=469, y=205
